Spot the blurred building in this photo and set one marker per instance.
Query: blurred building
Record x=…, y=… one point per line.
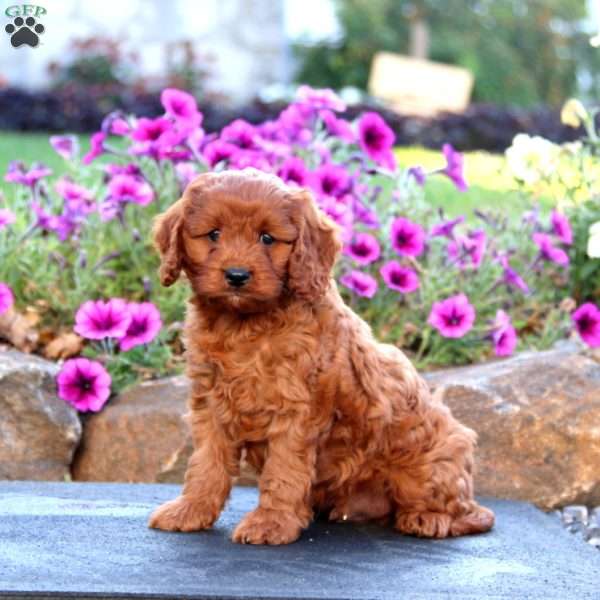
x=246, y=40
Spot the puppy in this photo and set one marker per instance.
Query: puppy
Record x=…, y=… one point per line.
x=285, y=373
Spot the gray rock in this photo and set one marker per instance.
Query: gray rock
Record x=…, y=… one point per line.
x=575, y=513
x=537, y=417
x=39, y=431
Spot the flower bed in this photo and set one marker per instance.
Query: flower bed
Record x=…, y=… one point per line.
x=76, y=254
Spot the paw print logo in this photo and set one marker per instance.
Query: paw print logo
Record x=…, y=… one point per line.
x=24, y=31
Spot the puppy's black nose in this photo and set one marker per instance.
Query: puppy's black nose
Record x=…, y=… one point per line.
x=237, y=277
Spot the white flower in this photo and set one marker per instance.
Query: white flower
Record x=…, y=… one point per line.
x=593, y=247
x=532, y=158
x=573, y=113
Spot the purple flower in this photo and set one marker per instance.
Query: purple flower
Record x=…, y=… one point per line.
x=120, y=127
x=182, y=107
x=129, y=169
x=360, y=283
x=7, y=298
x=77, y=198
x=399, y=278
x=96, y=147
x=66, y=146
x=320, y=98
x=83, y=383
x=445, y=228
x=7, y=217
x=293, y=170
x=340, y=212
x=241, y=134
x=127, y=188
x=419, y=174
x=45, y=220
x=587, y=323
x=453, y=317
x=364, y=249
x=219, y=151
x=408, y=238
x=331, y=180
x=144, y=326
x=511, y=278
x=96, y=320
x=562, y=227
x=17, y=174
x=156, y=137
x=454, y=167
x=376, y=139
x=337, y=127
x=548, y=251
x=504, y=335
x=467, y=251
x=186, y=172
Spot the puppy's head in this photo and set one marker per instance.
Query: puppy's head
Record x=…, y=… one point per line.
x=245, y=240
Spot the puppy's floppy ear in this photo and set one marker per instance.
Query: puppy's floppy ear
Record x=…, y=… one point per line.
x=315, y=250
x=167, y=239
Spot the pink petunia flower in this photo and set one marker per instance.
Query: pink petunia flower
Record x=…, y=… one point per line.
x=83, y=383
x=364, y=249
x=504, y=335
x=339, y=128
x=360, y=283
x=182, y=107
x=96, y=320
x=587, y=322
x=293, y=170
x=120, y=127
x=7, y=298
x=454, y=168
x=320, y=98
x=418, y=173
x=241, y=134
x=126, y=188
x=218, y=151
x=7, y=217
x=376, y=139
x=96, y=147
x=408, y=238
x=562, y=227
x=548, y=251
x=77, y=198
x=331, y=180
x=452, y=317
x=16, y=173
x=446, y=228
x=511, y=278
x=467, y=251
x=399, y=278
x=144, y=326
x=186, y=173
x=66, y=146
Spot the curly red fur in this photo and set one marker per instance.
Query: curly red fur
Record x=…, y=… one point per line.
x=284, y=372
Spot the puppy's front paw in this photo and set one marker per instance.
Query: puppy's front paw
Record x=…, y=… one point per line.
x=265, y=526
x=182, y=514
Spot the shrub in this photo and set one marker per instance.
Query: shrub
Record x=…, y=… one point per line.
x=447, y=291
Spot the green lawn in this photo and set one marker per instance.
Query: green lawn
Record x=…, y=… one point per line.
x=490, y=185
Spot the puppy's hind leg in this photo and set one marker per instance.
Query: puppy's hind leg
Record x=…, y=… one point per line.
x=433, y=494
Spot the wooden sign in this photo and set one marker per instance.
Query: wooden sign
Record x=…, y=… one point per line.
x=419, y=87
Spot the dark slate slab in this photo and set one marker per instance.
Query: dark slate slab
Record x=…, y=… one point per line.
x=91, y=541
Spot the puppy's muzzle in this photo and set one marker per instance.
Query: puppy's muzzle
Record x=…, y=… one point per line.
x=237, y=277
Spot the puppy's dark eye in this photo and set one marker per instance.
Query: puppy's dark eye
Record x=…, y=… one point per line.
x=266, y=239
x=214, y=235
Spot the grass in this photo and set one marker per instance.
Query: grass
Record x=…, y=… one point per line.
x=490, y=184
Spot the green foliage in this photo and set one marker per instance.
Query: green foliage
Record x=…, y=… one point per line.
x=520, y=52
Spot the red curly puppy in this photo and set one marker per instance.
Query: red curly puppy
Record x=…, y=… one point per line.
x=283, y=370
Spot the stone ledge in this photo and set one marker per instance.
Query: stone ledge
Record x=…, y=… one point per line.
x=91, y=540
